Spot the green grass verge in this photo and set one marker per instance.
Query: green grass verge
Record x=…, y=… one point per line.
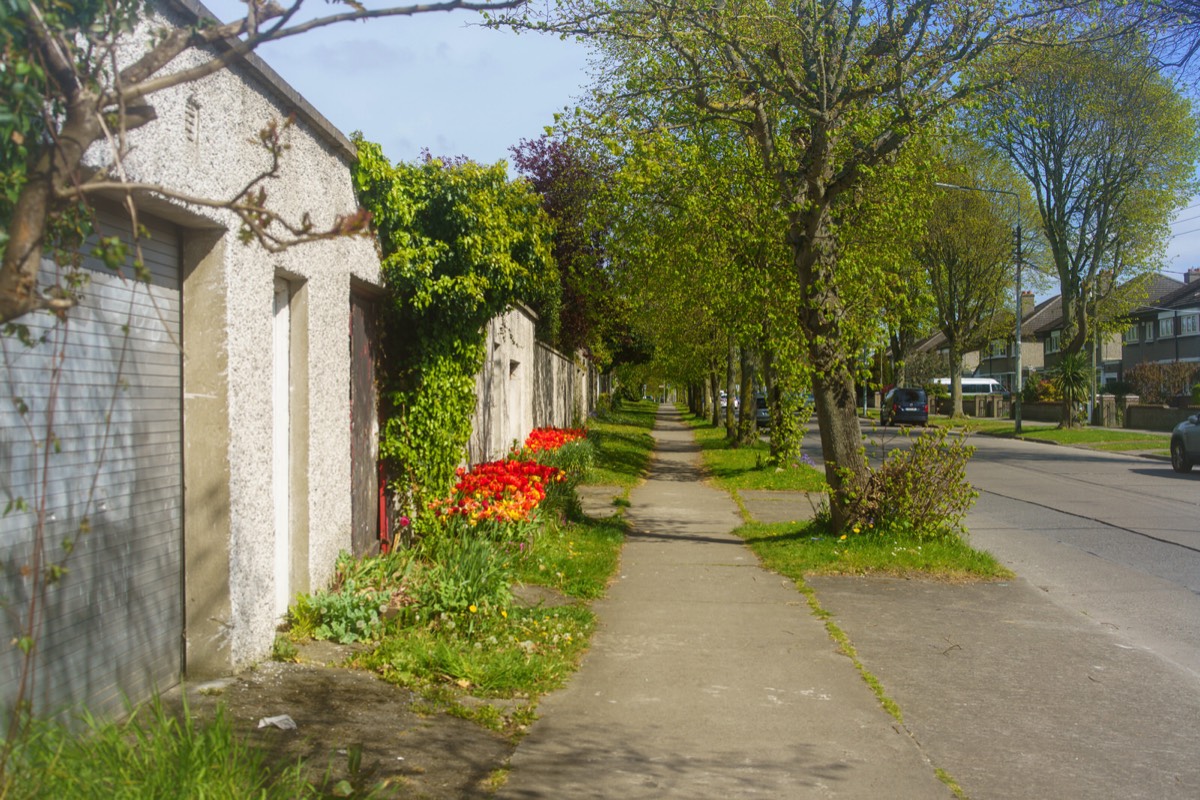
x=623, y=444
x=1154, y=447
x=799, y=549
x=1095, y=437
x=149, y=754
x=522, y=653
x=526, y=653
x=576, y=558
x=1109, y=439
x=973, y=425
x=734, y=468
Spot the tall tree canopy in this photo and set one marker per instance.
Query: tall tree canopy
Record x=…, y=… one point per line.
x=827, y=92
x=1109, y=147
x=967, y=251
x=571, y=180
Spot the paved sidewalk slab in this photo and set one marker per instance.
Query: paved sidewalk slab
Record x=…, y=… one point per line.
x=1017, y=697
x=775, y=506
x=599, y=501
x=710, y=677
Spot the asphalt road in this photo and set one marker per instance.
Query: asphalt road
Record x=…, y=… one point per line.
x=1112, y=536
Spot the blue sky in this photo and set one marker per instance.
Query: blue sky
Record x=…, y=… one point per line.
x=429, y=81
x=434, y=81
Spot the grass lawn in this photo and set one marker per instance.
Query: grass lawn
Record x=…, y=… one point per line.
x=796, y=550
x=746, y=468
x=1109, y=439
x=623, y=444
x=972, y=425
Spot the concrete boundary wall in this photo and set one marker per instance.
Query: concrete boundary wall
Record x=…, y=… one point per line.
x=524, y=384
x=559, y=389
x=1156, y=418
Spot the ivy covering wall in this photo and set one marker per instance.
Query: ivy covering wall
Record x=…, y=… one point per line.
x=460, y=242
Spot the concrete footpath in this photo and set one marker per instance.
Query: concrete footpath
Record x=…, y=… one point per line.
x=709, y=677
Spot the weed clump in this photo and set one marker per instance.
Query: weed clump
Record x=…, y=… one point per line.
x=919, y=493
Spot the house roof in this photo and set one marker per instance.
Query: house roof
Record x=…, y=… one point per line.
x=1045, y=316
x=1183, y=295
x=930, y=344
x=1160, y=286
x=273, y=82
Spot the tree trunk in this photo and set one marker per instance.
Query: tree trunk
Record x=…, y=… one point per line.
x=815, y=260
x=714, y=381
x=896, y=345
x=731, y=390
x=841, y=437
x=35, y=202
x=773, y=397
x=956, y=405
x=746, y=430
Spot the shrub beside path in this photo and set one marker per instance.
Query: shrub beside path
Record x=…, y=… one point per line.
x=709, y=677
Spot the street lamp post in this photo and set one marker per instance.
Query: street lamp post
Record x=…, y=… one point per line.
x=1017, y=344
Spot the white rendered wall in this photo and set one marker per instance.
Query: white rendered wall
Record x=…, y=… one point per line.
x=199, y=146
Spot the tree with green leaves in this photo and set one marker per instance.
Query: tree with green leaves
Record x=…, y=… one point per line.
x=1108, y=146
x=967, y=252
x=569, y=179
x=826, y=93
x=460, y=243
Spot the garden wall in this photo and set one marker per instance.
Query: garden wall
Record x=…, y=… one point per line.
x=524, y=384
x=559, y=389
x=1041, y=412
x=1156, y=418
x=990, y=406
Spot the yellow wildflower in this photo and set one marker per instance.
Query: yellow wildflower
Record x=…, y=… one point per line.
x=472, y=608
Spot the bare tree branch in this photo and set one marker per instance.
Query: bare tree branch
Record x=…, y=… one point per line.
x=86, y=107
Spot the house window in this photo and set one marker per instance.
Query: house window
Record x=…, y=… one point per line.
x=999, y=348
x=1053, y=341
x=1166, y=327
x=1149, y=331
x=1189, y=324
x=1131, y=335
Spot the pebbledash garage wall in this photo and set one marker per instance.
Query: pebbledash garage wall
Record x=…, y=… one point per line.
x=525, y=384
x=218, y=432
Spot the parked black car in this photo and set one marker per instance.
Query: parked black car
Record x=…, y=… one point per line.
x=903, y=404
x=1185, y=444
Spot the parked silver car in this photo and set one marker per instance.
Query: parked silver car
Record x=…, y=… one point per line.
x=1185, y=444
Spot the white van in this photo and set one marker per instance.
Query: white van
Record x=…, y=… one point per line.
x=974, y=386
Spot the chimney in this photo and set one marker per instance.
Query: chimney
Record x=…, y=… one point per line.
x=1192, y=275
x=1027, y=301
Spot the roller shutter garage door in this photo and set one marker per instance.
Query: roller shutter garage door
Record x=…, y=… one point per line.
x=112, y=483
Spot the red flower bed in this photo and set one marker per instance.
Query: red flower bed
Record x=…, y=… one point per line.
x=499, y=491
x=551, y=438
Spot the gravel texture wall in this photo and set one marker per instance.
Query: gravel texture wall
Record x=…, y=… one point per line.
x=201, y=145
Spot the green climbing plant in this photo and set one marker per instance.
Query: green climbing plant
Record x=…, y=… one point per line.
x=460, y=243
